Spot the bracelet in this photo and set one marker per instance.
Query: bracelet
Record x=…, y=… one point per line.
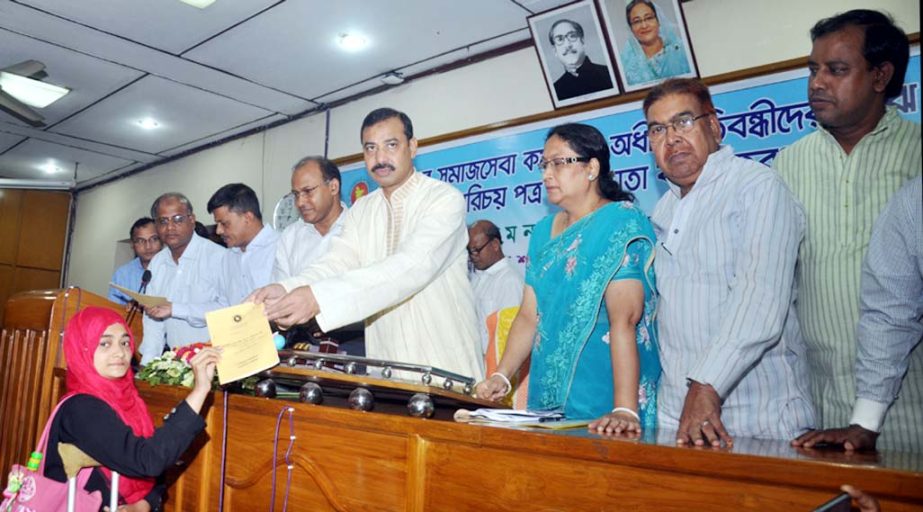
x=626, y=410
x=509, y=385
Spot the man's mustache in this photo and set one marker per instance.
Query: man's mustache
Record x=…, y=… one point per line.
x=382, y=166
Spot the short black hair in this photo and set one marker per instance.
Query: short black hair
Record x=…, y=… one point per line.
x=491, y=230
x=328, y=169
x=884, y=41
x=577, y=28
x=589, y=142
x=171, y=195
x=631, y=5
x=383, y=114
x=238, y=198
x=140, y=223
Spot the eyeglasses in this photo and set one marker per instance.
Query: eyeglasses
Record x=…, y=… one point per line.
x=571, y=37
x=554, y=163
x=682, y=123
x=176, y=220
x=146, y=241
x=649, y=19
x=477, y=250
x=305, y=192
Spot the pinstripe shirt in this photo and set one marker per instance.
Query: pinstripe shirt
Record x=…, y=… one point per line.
x=891, y=324
x=842, y=196
x=725, y=271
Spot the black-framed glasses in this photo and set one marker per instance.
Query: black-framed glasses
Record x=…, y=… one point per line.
x=176, y=220
x=554, y=163
x=683, y=123
x=571, y=37
x=146, y=241
x=477, y=250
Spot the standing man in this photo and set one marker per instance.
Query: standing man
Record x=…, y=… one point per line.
x=580, y=75
x=146, y=244
x=496, y=282
x=400, y=263
x=844, y=174
x=728, y=231
x=889, y=362
x=251, y=245
x=188, y=272
x=316, y=189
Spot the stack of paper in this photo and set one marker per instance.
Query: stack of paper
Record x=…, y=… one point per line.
x=515, y=416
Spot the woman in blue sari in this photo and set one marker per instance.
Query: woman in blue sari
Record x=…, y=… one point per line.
x=587, y=314
x=654, y=51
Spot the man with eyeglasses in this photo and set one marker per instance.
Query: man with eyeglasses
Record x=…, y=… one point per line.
x=728, y=231
x=316, y=190
x=844, y=173
x=188, y=272
x=251, y=244
x=496, y=281
x=145, y=244
x=399, y=265
x=580, y=75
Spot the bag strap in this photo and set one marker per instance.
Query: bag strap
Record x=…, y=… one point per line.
x=43, y=441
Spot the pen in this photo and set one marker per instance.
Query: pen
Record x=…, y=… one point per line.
x=550, y=418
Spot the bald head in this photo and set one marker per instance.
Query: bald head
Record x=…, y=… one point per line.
x=484, y=244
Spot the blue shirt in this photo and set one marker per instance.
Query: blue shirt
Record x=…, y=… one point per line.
x=126, y=276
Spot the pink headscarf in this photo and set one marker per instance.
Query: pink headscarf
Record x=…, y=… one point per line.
x=80, y=341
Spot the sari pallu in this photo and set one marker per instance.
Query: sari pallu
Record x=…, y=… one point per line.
x=571, y=367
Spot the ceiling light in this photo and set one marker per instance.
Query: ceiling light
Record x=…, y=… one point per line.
x=393, y=78
x=34, y=93
x=148, y=123
x=201, y=4
x=51, y=168
x=352, y=42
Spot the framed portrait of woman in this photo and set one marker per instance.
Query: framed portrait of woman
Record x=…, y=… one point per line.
x=571, y=47
x=649, y=41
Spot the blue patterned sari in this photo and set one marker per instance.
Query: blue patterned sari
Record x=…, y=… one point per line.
x=571, y=365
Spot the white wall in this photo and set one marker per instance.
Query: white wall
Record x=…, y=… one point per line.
x=727, y=35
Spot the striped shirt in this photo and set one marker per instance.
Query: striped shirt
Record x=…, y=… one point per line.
x=842, y=196
x=725, y=270
x=891, y=325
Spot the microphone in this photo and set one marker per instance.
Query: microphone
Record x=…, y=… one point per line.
x=145, y=279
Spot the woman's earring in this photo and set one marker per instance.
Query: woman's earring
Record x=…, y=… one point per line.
x=591, y=177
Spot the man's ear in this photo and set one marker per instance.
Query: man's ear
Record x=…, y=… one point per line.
x=334, y=187
x=882, y=75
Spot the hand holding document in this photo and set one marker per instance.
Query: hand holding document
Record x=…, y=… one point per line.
x=243, y=332
x=145, y=300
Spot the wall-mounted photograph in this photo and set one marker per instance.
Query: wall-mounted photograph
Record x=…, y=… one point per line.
x=649, y=41
x=572, y=50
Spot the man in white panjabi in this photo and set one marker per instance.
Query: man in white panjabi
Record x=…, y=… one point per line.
x=400, y=263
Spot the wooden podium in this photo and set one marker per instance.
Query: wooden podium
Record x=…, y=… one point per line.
x=346, y=460
x=32, y=364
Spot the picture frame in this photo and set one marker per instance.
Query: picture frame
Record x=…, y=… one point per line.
x=577, y=68
x=628, y=41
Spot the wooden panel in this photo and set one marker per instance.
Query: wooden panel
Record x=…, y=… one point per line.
x=6, y=286
x=10, y=202
x=35, y=279
x=44, y=221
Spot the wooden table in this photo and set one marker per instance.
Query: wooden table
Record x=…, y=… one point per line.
x=347, y=460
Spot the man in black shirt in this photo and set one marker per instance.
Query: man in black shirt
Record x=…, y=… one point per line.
x=580, y=75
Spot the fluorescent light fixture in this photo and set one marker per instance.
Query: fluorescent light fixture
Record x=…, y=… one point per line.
x=393, y=78
x=36, y=184
x=34, y=93
x=352, y=42
x=148, y=123
x=201, y=4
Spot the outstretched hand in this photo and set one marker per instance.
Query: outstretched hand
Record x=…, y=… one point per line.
x=493, y=388
x=851, y=438
x=616, y=423
x=700, y=422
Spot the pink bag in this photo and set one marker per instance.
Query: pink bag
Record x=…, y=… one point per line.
x=31, y=491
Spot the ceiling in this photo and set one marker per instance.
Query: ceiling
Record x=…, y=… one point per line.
x=207, y=74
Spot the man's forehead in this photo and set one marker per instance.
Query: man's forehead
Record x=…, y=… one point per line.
x=388, y=129
x=146, y=230
x=308, y=175
x=171, y=205
x=846, y=43
x=672, y=105
x=563, y=28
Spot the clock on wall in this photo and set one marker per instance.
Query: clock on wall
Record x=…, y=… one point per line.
x=285, y=212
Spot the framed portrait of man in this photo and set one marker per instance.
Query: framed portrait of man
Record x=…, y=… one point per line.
x=571, y=47
x=649, y=41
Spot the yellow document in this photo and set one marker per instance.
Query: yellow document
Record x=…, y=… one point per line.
x=243, y=332
x=145, y=300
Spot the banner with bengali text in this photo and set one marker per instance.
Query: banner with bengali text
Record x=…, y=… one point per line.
x=499, y=176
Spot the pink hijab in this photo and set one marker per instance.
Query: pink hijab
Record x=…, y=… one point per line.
x=80, y=341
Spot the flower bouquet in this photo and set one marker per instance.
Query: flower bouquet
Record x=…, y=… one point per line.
x=172, y=367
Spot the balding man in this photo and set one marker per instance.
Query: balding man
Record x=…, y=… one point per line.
x=496, y=281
